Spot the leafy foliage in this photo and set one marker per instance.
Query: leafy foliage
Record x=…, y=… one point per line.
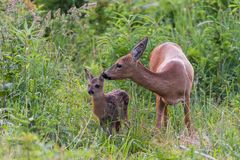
x=44, y=107
x=64, y=5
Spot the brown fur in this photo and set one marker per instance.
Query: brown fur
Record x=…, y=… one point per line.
x=110, y=108
x=170, y=76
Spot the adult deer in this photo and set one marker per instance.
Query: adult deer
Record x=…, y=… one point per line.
x=170, y=76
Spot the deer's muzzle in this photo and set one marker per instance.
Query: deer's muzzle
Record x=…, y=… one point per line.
x=105, y=76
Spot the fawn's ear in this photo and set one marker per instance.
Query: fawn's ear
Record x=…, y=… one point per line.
x=101, y=78
x=88, y=74
x=138, y=50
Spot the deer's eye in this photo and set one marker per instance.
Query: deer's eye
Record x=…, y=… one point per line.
x=119, y=65
x=97, y=86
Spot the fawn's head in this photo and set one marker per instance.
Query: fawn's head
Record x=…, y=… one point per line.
x=95, y=84
x=126, y=66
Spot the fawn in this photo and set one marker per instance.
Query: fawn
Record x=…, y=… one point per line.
x=110, y=108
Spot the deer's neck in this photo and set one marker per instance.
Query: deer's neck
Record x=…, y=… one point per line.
x=100, y=103
x=150, y=80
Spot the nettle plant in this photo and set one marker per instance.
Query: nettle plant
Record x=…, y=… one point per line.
x=27, y=72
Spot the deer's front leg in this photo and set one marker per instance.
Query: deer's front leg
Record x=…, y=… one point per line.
x=161, y=109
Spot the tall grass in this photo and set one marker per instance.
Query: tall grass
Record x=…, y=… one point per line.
x=45, y=111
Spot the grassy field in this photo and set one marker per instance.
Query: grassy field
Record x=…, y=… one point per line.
x=46, y=112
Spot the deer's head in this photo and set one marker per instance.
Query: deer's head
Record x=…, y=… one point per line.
x=95, y=84
x=126, y=66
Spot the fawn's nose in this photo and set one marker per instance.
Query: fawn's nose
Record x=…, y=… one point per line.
x=90, y=92
x=105, y=76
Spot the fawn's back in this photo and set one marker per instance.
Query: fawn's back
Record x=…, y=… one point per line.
x=117, y=102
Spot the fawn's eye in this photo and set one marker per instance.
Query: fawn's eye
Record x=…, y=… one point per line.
x=97, y=86
x=119, y=65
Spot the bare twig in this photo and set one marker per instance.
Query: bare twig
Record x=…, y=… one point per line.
x=200, y=153
x=89, y=5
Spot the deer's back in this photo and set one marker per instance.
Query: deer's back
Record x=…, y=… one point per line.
x=166, y=54
x=169, y=60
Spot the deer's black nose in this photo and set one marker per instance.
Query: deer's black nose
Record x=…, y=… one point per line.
x=90, y=92
x=106, y=76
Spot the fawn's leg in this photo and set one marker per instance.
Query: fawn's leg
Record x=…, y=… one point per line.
x=160, y=107
x=103, y=125
x=187, y=118
x=117, y=126
x=110, y=126
x=106, y=126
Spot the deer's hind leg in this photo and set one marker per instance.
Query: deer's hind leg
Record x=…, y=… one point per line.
x=161, y=109
x=187, y=119
x=165, y=116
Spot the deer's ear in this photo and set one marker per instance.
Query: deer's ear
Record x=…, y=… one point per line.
x=101, y=78
x=88, y=74
x=138, y=50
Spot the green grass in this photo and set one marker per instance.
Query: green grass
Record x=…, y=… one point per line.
x=46, y=112
x=216, y=126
